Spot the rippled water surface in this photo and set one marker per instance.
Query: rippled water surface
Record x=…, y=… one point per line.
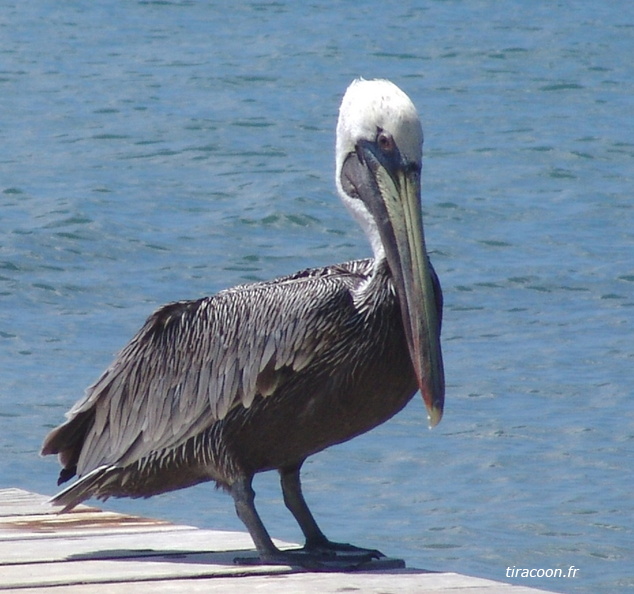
x=153, y=151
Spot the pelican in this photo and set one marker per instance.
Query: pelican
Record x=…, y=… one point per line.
x=260, y=376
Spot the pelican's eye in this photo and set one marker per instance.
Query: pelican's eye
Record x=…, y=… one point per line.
x=385, y=142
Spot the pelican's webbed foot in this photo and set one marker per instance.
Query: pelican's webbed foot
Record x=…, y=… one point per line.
x=340, y=558
x=327, y=547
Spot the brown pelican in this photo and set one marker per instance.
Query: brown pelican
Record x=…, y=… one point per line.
x=260, y=376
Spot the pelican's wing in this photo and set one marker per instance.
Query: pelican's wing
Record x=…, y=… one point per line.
x=194, y=361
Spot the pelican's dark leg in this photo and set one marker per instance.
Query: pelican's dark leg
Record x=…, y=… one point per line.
x=316, y=540
x=244, y=500
x=268, y=554
x=295, y=502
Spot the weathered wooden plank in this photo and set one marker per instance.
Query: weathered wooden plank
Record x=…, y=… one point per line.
x=25, y=515
x=17, y=502
x=136, y=544
x=401, y=582
x=76, y=523
x=91, y=551
x=90, y=519
x=125, y=570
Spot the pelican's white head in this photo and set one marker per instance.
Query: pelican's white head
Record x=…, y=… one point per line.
x=379, y=158
x=370, y=108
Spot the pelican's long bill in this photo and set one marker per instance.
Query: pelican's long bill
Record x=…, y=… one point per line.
x=390, y=188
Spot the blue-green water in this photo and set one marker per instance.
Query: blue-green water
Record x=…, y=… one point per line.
x=154, y=151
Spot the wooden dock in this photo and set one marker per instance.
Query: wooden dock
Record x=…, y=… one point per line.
x=99, y=552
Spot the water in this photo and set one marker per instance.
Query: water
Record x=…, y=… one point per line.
x=155, y=151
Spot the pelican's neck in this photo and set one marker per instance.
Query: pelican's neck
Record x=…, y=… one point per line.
x=365, y=220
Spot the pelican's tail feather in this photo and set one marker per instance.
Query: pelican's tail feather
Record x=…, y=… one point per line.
x=87, y=486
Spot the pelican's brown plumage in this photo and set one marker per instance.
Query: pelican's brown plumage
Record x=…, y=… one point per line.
x=261, y=376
